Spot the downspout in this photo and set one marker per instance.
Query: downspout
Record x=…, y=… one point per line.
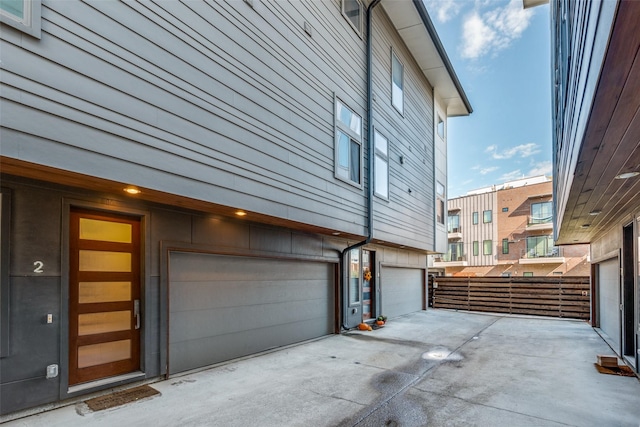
x=373, y=4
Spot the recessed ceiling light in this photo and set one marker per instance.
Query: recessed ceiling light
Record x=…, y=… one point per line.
x=627, y=175
x=241, y=213
x=595, y=212
x=132, y=190
x=336, y=233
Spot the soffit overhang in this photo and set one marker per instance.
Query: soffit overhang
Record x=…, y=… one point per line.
x=597, y=202
x=411, y=20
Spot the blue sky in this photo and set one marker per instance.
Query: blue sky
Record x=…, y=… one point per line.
x=500, y=53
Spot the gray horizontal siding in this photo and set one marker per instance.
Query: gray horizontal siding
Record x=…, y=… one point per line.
x=221, y=102
x=407, y=217
x=211, y=100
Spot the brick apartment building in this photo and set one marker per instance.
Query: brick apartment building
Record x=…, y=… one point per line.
x=507, y=230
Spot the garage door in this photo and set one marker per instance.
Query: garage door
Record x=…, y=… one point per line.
x=609, y=300
x=224, y=307
x=402, y=291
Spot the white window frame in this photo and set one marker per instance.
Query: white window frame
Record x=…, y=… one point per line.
x=358, y=28
x=441, y=196
x=441, y=127
x=28, y=23
x=355, y=137
x=381, y=160
x=485, y=247
x=398, y=104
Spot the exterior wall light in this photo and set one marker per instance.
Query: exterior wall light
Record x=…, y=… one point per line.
x=627, y=175
x=132, y=190
x=241, y=213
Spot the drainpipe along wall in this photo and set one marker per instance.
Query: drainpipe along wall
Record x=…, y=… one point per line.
x=345, y=304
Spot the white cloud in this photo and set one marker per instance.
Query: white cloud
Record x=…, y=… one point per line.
x=511, y=176
x=522, y=150
x=541, y=168
x=494, y=30
x=444, y=10
x=485, y=171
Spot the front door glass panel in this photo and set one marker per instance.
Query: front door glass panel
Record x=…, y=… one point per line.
x=104, y=294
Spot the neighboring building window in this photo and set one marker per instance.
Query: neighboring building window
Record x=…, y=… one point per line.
x=397, y=83
x=381, y=166
x=527, y=274
x=487, y=216
x=22, y=14
x=541, y=246
x=454, y=224
x=348, y=143
x=506, y=274
x=476, y=248
x=352, y=10
x=456, y=251
x=440, y=127
x=5, y=220
x=475, y=218
x=487, y=247
x=505, y=209
x=505, y=246
x=440, y=197
x=541, y=213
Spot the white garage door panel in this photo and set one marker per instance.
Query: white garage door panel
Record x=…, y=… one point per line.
x=402, y=291
x=609, y=300
x=223, y=307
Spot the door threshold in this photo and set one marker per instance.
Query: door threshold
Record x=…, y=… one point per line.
x=106, y=381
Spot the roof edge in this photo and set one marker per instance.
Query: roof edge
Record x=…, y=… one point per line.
x=431, y=29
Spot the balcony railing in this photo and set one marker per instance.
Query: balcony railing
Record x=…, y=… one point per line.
x=457, y=229
x=451, y=258
x=538, y=220
x=536, y=256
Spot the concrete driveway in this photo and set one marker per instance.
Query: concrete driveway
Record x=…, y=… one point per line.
x=431, y=368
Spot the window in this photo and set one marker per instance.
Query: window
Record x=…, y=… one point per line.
x=487, y=247
x=21, y=14
x=352, y=10
x=354, y=276
x=486, y=216
x=527, y=274
x=454, y=224
x=476, y=248
x=455, y=252
x=475, y=218
x=381, y=166
x=505, y=209
x=440, y=196
x=440, y=127
x=348, y=144
x=541, y=213
x=397, y=83
x=505, y=246
x=541, y=246
x=5, y=212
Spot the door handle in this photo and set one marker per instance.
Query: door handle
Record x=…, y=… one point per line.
x=136, y=312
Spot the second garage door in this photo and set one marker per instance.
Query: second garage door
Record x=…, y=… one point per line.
x=402, y=291
x=224, y=307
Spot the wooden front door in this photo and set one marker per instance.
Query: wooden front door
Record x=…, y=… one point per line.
x=104, y=296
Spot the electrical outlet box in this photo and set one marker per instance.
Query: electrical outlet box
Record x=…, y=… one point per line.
x=52, y=371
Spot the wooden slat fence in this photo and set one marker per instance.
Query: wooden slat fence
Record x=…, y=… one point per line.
x=566, y=297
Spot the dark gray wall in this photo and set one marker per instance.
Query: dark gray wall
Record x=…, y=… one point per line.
x=37, y=233
x=219, y=102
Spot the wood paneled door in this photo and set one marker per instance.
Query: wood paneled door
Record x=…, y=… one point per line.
x=104, y=296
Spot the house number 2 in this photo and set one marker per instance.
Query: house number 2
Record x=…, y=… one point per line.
x=38, y=267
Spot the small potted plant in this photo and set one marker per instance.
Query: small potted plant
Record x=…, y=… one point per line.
x=380, y=320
